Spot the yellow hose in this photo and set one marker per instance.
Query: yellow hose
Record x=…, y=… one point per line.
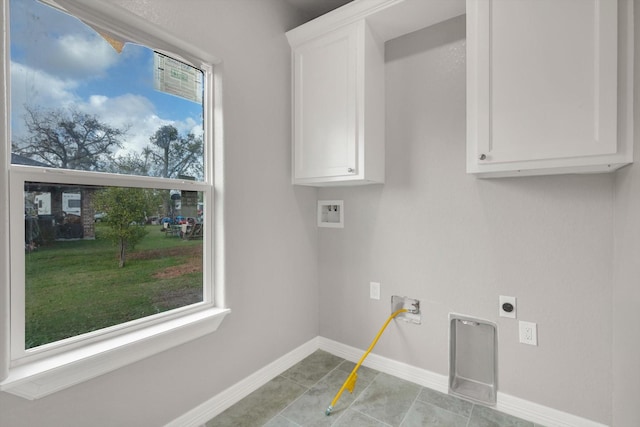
x=350, y=382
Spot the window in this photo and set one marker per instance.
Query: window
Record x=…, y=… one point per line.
x=111, y=195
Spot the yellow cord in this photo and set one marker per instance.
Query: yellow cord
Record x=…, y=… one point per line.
x=350, y=382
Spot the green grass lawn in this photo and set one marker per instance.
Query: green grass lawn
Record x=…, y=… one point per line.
x=76, y=287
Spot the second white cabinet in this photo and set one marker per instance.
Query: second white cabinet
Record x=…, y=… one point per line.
x=338, y=108
x=338, y=87
x=543, y=87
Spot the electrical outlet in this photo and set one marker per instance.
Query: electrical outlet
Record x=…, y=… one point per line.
x=528, y=333
x=374, y=290
x=507, y=307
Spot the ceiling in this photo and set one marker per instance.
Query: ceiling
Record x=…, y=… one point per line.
x=314, y=8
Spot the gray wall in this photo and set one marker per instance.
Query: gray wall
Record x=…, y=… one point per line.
x=431, y=232
x=271, y=266
x=456, y=242
x=626, y=287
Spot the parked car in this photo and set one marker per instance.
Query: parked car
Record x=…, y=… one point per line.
x=99, y=216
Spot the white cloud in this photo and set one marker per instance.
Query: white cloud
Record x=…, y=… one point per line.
x=187, y=126
x=72, y=56
x=76, y=51
x=38, y=89
x=79, y=55
x=126, y=111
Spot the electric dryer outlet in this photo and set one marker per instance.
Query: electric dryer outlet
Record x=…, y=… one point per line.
x=507, y=307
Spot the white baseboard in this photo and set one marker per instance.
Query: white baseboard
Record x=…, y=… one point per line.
x=388, y=366
x=202, y=413
x=505, y=403
x=540, y=414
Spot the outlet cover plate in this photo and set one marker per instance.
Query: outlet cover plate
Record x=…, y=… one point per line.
x=507, y=300
x=528, y=333
x=374, y=290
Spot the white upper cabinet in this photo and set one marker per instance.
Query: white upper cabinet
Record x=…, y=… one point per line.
x=543, y=92
x=338, y=75
x=339, y=108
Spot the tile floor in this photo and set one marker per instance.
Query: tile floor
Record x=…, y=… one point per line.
x=300, y=396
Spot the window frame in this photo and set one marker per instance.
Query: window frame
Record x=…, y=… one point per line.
x=34, y=373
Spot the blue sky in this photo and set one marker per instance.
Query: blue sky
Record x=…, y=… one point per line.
x=57, y=61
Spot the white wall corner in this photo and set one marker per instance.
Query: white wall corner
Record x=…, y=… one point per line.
x=202, y=413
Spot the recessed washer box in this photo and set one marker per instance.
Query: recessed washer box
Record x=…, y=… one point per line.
x=473, y=364
x=331, y=213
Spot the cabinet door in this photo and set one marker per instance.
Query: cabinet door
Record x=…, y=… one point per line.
x=542, y=81
x=325, y=105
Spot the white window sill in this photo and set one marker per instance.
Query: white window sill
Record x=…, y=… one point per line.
x=40, y=378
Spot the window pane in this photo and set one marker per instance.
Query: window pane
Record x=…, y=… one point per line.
x=101, y=256
x=84, y=102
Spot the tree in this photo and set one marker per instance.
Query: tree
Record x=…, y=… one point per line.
x=125, y=209
x=68, y=139
x=132, y=164
x=174, y=155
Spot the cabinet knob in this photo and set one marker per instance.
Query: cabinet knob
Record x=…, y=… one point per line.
x=482, y=157
x=351, y=170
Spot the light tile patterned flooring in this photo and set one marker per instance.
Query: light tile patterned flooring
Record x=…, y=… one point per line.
x=300, y=396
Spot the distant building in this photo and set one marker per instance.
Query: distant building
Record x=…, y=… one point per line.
x=17, y=159
x=70, y=207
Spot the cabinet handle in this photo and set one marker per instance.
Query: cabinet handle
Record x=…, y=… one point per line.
x=351, y=170
x=482, y=157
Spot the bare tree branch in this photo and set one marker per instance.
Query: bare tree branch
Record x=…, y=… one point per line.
x=68, y=139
